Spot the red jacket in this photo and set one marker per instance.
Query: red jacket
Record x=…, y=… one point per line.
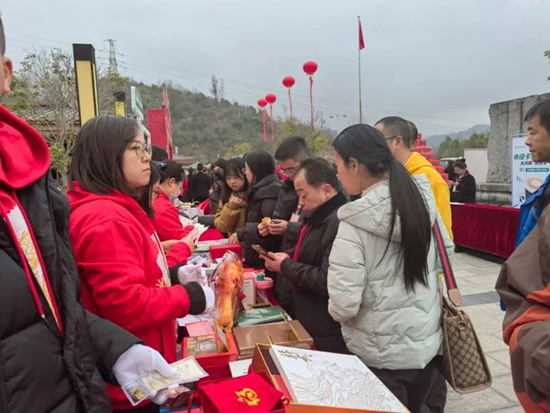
x=123, y=272
x=167, y=221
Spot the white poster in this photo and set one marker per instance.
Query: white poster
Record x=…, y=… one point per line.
x=527, y=176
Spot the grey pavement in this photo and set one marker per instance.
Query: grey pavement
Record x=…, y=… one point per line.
x=476, y=279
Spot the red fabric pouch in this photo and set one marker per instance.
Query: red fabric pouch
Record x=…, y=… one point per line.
x=245, y=394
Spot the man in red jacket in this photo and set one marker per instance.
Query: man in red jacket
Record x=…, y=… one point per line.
x=54, y=355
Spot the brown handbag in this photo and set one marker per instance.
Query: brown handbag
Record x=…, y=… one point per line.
x=464, y=364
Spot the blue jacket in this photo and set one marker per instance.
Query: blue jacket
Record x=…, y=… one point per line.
x=530, y=213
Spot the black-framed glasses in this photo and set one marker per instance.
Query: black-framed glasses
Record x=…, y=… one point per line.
x=392, y=137
x=288, y=171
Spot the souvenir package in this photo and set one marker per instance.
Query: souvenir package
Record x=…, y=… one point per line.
x=322, y=382
x=228, y=287
x=189, y=371
x=251, y=393
x=287, y=333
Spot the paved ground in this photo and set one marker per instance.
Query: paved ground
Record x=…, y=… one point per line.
x=476, y=279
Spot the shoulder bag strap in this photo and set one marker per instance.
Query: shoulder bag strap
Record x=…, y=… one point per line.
x=452, y=288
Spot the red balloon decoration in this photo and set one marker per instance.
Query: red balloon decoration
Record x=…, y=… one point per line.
x=310, y=67
x=262, y=103
x=288, y=82
x=271, y=98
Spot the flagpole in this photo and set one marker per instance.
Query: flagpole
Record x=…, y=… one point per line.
x=360, y=92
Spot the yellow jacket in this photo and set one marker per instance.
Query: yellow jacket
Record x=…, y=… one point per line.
x=417, y=165
x=229, y=218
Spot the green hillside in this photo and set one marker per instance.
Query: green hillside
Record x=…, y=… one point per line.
x=202, y=126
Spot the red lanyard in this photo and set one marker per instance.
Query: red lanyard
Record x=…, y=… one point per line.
x=302, y=231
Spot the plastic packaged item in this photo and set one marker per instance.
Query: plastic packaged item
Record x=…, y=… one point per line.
x=249, y=290
x=263, y=284
x=228, y=287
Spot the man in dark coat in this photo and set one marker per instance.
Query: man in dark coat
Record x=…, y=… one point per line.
x=306, y=265
x=287, y=217
x=200, y=184
x=54, y=355
x=464, y=189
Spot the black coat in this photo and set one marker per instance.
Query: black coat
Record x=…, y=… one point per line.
x=217, y=187
x=200, y=186
x=308, y=275
x=39, y=370
x=262, y=199
x=466, y=190
x=286, y=206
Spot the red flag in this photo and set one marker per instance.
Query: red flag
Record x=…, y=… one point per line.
x=361, y=40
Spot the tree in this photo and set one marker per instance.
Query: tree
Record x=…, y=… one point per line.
x=44, y=94
x=316, y=139
x=453, y=148
x=239, y=149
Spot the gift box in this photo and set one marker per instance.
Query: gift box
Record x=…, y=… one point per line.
x=213, y=362
x=218, y=251
x=251, y=393
x=263, y=362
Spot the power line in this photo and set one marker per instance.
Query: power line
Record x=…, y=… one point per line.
x=237, y=91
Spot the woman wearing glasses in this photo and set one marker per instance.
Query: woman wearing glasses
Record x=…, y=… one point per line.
x=122, y=266
x=167, y=219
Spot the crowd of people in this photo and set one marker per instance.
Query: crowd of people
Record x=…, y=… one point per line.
x=91, y=286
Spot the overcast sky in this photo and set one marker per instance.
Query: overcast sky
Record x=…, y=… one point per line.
x=439, y=63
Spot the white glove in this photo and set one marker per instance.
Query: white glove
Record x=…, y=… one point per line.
x=188, y=273
x=210, y=299
x=139, y=361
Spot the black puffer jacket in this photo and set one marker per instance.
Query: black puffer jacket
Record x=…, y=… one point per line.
x=262, y=199
x=41, y=371
x=308, y=275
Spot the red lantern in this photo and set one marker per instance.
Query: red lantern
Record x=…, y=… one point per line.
x=310, y=67
x=271, y=98
x=288, y=82
x=262, y=103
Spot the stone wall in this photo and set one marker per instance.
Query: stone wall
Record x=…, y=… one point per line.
x=494, y=194
x=506, y=120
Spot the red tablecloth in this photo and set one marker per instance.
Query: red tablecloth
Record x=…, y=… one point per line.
x=485, y=228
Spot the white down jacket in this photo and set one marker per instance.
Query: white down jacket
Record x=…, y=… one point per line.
x=383, y=324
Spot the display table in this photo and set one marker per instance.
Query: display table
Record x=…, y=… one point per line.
x=485, y=228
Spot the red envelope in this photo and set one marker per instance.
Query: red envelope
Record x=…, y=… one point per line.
x=250, y=393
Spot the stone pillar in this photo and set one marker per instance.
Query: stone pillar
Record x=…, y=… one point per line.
x=506, y=120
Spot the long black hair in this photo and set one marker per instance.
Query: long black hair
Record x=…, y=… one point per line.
x=261, y=164
x=233, y=167
x=368, y=146
x=145, y=194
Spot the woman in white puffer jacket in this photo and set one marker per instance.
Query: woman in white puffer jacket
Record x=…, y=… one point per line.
x=383, y=275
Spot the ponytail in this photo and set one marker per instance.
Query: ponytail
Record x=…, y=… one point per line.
x=368, y=146
x=416, y=234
